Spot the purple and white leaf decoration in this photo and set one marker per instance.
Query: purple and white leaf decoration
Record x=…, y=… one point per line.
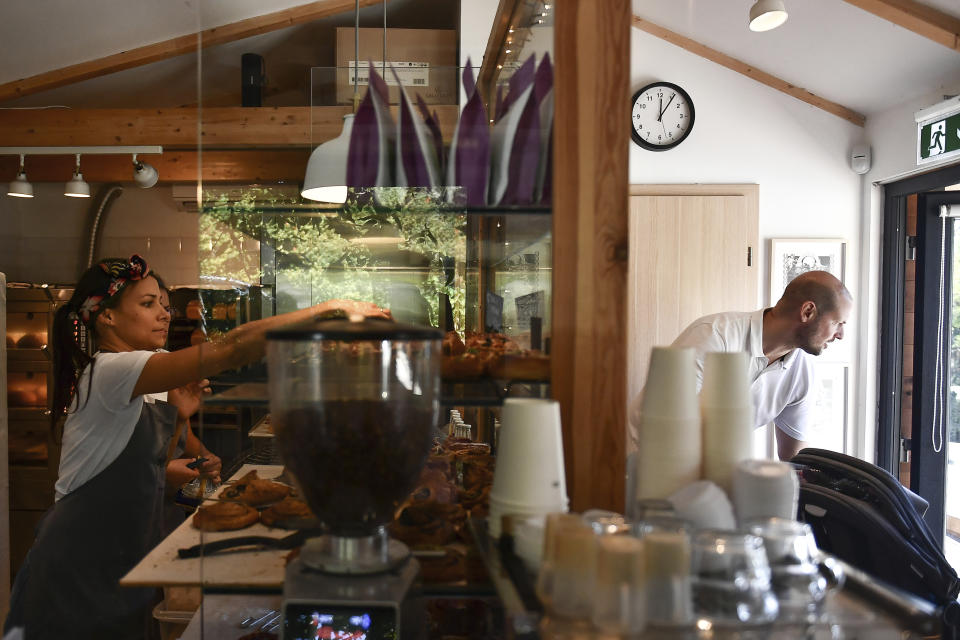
x=416, y=161
x=468, y=166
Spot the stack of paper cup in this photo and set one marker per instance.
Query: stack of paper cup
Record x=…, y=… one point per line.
x=669, y=444
x=728, y=415
x=528, y=479
x=574, y=572
x=765, y=489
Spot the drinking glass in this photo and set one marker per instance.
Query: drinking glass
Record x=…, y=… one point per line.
x=731, y=578
x=793, y=556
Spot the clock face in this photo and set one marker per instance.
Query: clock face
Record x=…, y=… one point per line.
x=662, y=116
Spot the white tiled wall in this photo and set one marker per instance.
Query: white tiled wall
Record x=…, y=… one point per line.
x=43, y=239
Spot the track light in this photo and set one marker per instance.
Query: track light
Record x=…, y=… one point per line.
x=77, y=187
x=144, y=175
x=19, y=187
x=767, y=14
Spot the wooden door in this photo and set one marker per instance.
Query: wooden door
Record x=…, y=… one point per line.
x=693, y=251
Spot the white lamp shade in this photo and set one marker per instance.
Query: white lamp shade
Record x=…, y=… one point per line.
x=767, y=14
x=77, y=188
x=19, y=187
x=144, y=175
x=326, y=176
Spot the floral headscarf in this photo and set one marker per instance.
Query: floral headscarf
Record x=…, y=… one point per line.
x=120, y=273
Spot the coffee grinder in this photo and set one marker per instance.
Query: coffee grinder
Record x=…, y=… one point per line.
x=354, y=406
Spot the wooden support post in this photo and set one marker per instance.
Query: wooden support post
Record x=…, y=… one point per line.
x=590, y=230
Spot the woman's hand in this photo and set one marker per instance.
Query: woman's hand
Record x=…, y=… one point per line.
x=178, y=474
x=358, y=307
x=188, y=398
x=211, y=468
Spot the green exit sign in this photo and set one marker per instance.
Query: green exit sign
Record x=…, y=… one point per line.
x=938, y=134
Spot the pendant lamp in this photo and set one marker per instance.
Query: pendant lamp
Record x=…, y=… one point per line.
x=767, y=14
x=326, y=176
x=77, y=186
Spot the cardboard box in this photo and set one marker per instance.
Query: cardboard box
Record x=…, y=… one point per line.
x=425, y=59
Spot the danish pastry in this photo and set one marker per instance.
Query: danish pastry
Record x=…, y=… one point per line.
x=286, y=510
x=255, y=491
x=224, y=516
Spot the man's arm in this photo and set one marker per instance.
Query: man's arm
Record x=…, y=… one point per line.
x=788, y=446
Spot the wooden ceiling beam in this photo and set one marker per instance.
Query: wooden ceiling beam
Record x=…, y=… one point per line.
x=178, y=46
x=926, y=21
x=750, y=71
x=236, y=165
x=223, y=127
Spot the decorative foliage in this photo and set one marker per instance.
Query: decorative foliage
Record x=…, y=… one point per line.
x=324, y=252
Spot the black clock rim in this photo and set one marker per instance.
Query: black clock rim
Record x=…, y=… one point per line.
x=662, y=147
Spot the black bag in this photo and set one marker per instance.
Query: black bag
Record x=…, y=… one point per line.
x=861, y=514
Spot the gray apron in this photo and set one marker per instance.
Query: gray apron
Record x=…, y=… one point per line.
x=173, y=513
x=68, y=586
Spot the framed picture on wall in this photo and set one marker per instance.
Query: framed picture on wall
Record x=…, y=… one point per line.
x=789, y=257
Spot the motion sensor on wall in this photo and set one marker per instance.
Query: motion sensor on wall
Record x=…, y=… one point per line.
x=860, y=158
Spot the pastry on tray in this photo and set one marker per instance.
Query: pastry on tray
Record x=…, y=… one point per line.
x=225, y=516
x=255, y=491
x=450, y=567
x=521, y=365
x=286, y=511
x=465, y=366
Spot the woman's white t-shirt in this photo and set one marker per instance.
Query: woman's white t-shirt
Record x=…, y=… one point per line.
x=98, y=428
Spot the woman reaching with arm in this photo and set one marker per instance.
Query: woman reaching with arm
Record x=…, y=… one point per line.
x=109, y=490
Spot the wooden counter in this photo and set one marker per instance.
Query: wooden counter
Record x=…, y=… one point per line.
x=239, y=569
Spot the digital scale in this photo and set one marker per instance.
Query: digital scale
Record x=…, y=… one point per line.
x=358, y=607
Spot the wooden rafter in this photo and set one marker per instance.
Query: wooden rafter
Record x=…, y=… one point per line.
x=178, y=46
x=749, y=70
x=222, y=127
x=926, y=21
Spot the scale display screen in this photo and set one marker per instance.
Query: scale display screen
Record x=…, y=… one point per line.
x=309, y=621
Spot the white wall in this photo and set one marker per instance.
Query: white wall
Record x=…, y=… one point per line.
x=42, y=238
x=746, y=132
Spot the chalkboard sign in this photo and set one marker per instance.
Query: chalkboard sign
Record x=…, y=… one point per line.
x=493, y=316
x=529, y=306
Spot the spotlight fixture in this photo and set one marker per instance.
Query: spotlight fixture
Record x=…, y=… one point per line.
x=326, y=176
x=77, y=187
x=19, y=187
x=767, y=14
x=144, y=175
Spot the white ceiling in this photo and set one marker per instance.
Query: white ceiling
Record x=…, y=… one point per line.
x=828, y=47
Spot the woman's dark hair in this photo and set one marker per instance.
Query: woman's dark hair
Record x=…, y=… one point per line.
x=69, y=359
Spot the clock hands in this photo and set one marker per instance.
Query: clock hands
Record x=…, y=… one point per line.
x=663, y=109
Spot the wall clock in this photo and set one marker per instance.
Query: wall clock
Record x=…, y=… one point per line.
x=662, y=116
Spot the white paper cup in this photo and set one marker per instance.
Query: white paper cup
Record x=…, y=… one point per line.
x=671, y=388
x=727, y=441
x=529, y=473
x=704, y=505
x=668, y=457
x=765, y=489
x=726, y=381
